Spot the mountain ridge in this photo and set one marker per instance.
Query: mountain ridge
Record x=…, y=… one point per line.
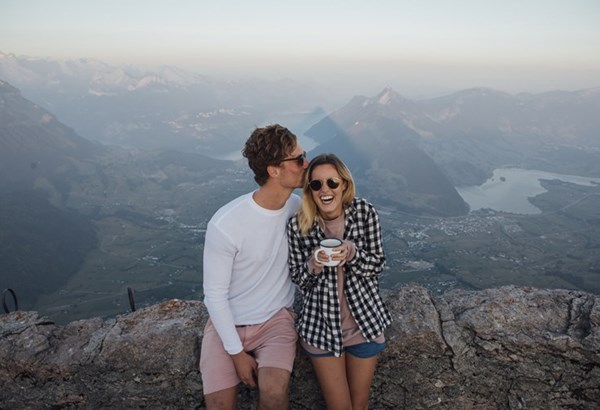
x=162, y=107
x=471, y=132
x=65, y=200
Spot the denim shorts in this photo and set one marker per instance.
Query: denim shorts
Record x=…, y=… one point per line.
x=362, y=350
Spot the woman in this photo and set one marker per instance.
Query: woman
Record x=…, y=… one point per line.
x=342, y=318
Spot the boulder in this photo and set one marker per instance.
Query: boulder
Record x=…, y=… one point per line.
x=502, y=348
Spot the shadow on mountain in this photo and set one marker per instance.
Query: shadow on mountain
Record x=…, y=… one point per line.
x=389, y=168
x=62, y=195
x=41, y=246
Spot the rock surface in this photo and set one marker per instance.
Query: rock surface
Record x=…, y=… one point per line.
x=503, y=348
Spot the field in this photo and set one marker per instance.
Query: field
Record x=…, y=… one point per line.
x=158, y=253
x=150, y=239
x=558, y=248
x=157, y=261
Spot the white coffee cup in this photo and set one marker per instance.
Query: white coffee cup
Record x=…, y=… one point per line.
x=327, y=245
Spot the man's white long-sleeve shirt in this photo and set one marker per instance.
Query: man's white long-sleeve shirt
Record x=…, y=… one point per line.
x=246, y=275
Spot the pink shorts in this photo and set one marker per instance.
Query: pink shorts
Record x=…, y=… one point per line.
x=273, y=344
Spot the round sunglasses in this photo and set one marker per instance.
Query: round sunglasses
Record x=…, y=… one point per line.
x=332, y=183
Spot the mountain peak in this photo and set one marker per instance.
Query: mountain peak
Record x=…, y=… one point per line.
x=4, y=55
x=388, y=96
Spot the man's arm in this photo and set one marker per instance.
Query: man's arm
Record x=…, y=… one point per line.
x=219, y=253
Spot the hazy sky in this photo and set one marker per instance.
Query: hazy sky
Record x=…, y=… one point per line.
x=416, y=46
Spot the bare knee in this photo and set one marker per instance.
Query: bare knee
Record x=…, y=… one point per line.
x=360, y=404
x=360, y=399
x=222, y=399
x=273, y=398
x=273, y=389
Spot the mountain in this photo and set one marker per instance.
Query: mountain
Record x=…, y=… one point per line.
x=34, y=146
x=559, y=116
x=384, y=157
x=40, y=159
x=69, y=207
x=471, y=132
x=41, y=245
x=160, y=108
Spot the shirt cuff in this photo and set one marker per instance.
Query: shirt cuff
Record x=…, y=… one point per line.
x=313, y=266
x=234, y=352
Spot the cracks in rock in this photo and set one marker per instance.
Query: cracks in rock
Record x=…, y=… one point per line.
x=509, y=392
x=452, y=354
x=579, y=322
x=472, y=363
x=19, y=328
x=13, y=332
x=96, y=346
x=464, y=309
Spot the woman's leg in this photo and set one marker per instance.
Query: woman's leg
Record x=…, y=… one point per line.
x=331, y=374
x=359, y=373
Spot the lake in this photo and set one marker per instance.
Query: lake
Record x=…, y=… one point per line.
x=508, y=189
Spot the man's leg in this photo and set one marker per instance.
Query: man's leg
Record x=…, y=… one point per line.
x=274, y=347
x=273, y=388
x=219, y=377
x=222, y=400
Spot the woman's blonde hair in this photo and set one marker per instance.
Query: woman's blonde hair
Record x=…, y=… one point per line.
x=308, y=215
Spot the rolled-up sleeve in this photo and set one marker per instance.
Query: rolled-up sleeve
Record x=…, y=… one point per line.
x=298, y=258
x=369, y=259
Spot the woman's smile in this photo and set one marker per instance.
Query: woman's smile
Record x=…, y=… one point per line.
x=327, y=190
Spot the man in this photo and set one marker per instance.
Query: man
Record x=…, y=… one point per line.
x=250, y=336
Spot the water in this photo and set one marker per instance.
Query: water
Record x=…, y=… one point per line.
x=509, y=188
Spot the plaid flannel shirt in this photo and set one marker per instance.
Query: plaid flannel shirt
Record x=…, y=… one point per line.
x=319, y=321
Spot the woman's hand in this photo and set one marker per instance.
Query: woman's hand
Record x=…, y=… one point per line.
x=340, y=254
x=320, y=257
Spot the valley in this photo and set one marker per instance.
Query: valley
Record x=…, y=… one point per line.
x=83, y=222
x=150, y=234
x=559, y=248
x=159, y=254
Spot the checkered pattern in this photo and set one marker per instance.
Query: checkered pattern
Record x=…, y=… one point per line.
x=319, y=321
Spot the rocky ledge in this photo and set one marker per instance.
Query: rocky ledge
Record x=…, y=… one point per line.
x=504, y=348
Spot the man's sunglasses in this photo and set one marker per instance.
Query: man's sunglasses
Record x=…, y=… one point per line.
x=332, y=183
x=299, y=159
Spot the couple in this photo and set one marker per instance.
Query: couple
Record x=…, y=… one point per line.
x=251, y=263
